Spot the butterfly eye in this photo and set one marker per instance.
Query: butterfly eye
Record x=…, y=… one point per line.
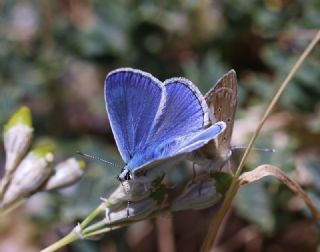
x=161, y=149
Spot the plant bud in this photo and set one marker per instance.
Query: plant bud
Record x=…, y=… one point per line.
x=131, y=211
x=30, y=174
x=65, y=173
x=133, y=190
x=203, y=192
x=198, y=194
x=118, y=196
x=128, y=191
x=17, y=136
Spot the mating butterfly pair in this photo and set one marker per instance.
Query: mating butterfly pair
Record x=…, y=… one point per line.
x=154, y=122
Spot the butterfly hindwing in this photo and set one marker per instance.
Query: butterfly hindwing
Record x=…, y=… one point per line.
x=181, y=128
x=222, y=102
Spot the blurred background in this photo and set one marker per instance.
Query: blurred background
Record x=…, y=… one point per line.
x=54, y=56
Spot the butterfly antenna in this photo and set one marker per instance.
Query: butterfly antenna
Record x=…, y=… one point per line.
x=97, y=158
x=254, y=148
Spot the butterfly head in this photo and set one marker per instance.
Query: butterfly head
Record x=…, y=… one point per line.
x=125, y=174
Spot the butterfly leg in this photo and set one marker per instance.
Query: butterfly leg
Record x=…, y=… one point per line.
x=126, y=189
x=200, y=188
x=128, y=207
x=194, y=170
x=109, y=216
x=146, y=184
x=194, y=173
x=107, y=210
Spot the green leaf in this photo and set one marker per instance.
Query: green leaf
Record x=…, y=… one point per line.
x=223, y=181
x=254, y=203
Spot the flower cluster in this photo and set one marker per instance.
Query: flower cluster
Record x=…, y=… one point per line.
x=28, y=171
x=135, y=200
x=144, y=198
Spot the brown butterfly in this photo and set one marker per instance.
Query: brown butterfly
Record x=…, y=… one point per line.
x=222, y=103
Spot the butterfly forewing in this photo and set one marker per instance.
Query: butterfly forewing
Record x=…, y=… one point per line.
x=133, y=100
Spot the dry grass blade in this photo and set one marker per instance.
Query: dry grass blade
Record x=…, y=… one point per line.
x=214, y=226
x=270, y=170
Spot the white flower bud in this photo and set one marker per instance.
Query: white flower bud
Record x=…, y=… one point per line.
x=17, y=136
x=134, y=190
x=118, y=196
x=129, y=190
x=30, y=174
x=198, y=194
x=133, y=211
x=65, y=173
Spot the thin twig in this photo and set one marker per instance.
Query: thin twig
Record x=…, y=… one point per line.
x=165, y=236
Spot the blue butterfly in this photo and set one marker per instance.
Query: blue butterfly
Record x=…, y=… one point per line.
x=154, y=122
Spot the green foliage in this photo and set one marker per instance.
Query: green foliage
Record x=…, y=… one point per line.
x=254, y=203
x=222, y=182
x=55, y=56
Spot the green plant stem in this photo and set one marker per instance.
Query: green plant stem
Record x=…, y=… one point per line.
x=102, y=231
x=93, y=215
x=213, y=229
x=90, y=231
x=71, y=237
x=95, y=226
x=12, y=207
